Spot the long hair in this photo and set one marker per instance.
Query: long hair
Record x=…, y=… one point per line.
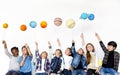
x=88, y=56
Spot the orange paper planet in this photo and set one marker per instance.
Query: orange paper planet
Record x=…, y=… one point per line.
x=43, y=24
x=23, y=27
x=5, y=25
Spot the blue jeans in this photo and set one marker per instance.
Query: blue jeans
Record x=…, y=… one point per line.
x=41, y=74
x=105, y=71
x=28, y=73
x=67, y=72
x=78, y=72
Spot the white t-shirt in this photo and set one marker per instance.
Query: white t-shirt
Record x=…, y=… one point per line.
x=13, y=64
x=67, y=61
x=42, y=67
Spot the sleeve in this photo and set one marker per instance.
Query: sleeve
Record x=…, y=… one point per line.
x=37, y=54
x=19, y=59
x=62, y=64
x=50, y=53
x=7, y=53
x=96, y=61
x=103, y=47
x=73, y=49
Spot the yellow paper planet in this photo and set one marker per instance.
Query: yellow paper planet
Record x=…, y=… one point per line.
x=5, y=25
x=70, y=23
x=57, y=21
x=99, y=62
x=43, y=24
x=23, y=27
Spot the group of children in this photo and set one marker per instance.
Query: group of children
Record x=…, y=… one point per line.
x=71, y=62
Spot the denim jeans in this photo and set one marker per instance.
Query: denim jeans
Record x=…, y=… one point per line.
x=78, y=72
x=67, y=72
x=41, y=74
x=28, y=73
x=105, y=71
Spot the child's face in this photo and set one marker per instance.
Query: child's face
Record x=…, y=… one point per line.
x=57, y=53
x=15, y=52
x=68, y=52
x=80, y=51
x=89, y=48
x=44, y=55
x=110, y=48
x=24, y=51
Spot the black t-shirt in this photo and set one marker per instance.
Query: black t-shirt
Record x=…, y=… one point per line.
x=110, y=61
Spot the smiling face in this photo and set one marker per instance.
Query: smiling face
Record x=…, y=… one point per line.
x=44, y=55
x=15, y=52
x=24, y=50
x=68, y=51
x=90, y=47
x=80, y=51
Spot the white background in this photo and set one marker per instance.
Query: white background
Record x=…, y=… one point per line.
x=17, y=12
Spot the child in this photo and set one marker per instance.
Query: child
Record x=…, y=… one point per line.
x=67, y=60
x=79, y=61
x=13, y=64
x=111, y=58
x=43, y=64
x=56, y=62
x=25, y=61
x=92, y=60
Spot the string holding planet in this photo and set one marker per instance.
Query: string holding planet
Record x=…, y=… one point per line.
x=43, y=24
x=70, y=23
x=33, y=24
x=23, y=27
x=58, y=21
x=5, y=26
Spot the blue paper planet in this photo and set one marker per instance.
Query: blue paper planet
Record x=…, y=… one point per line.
x=91, y=17
x=33, y=24
x=84, y=16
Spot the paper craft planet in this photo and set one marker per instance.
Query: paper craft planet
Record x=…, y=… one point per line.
x=84, y=16
x=70, y=23
x=23, y=27
x=91, y=17
x=57, y=21
x=5, y=25
x=33, y=24
x=43, y=24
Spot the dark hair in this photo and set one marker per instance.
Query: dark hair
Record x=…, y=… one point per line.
x=88, y=56
x=112, y=43
x=14, y=48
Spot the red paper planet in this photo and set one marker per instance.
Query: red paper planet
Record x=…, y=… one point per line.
x=43, y=24
x=23, y=27
x=5, y=25
x=57, y=21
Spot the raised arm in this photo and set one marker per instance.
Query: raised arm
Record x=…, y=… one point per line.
x=36, y=51
x=50, y=51
x=101, y=43
x=6, y=49
x=58, y=41
x=73, y=48
x=83, y=41
x=28, y=48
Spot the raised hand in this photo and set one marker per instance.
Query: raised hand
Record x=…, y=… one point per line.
x=98, y=37
x=4, y=43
